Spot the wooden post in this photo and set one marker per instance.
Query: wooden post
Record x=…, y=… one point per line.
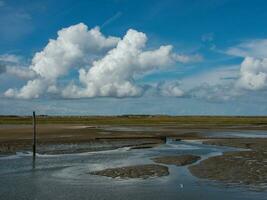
x=34, y=140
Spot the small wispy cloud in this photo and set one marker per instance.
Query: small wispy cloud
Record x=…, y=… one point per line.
x=253, y=48
x=213, y=85
x=111, y=19
x=10, y=58
x=188, y=58
x=207, y=37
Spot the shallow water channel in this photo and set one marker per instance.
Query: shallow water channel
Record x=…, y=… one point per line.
x=66, y=176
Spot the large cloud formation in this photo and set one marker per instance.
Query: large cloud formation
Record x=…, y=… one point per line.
x=107, y=66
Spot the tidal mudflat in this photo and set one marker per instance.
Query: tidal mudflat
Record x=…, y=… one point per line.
x=248, y=166
x=134, y=161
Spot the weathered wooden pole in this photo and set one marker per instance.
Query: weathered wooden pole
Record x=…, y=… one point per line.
x=34, y=140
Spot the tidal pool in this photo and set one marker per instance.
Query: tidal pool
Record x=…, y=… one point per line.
x=67, y=176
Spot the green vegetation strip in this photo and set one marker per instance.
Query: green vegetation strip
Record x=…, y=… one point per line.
x=138, y=120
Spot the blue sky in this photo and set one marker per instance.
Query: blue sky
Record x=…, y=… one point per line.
x=185, y=57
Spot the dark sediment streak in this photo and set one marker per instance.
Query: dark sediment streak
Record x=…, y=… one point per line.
x=180, y=160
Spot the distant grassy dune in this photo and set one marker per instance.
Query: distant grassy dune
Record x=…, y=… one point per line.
x=140, y=120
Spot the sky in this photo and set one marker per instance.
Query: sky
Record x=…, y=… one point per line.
x=114, y=57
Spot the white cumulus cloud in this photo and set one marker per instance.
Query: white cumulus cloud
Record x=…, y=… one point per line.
x=253, y=69
x=253, y=74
